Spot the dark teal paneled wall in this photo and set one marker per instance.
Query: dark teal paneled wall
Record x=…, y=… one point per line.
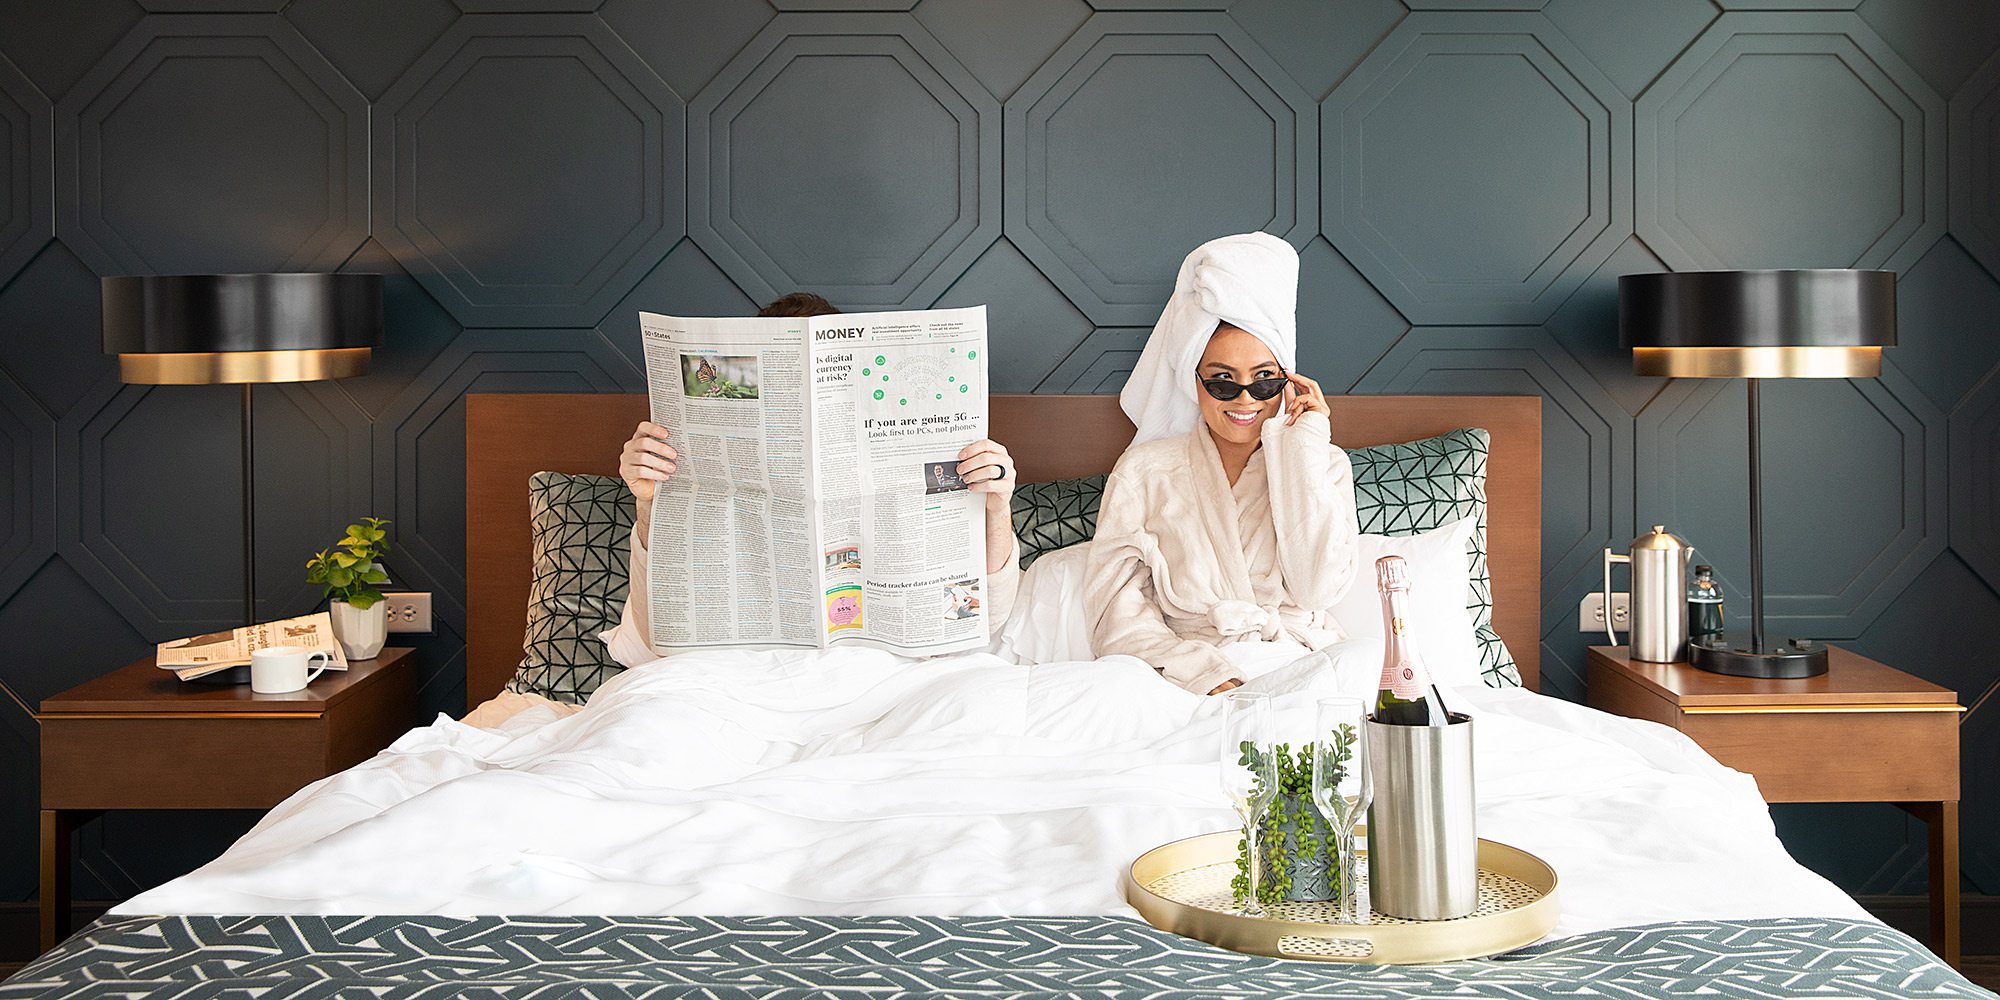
x=1464, y=180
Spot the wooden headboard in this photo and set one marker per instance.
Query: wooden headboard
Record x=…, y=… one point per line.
x=509, y=437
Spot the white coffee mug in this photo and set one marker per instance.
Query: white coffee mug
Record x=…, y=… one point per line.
x=283, y=669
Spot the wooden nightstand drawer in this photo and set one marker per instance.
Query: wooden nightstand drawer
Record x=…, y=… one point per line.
x=179, y=763
x=1862, y=733
x=1834, y=755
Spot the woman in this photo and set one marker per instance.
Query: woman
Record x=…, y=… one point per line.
x=647, y=460
x=1231, y=517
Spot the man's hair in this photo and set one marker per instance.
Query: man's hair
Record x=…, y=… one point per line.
x=798, y=304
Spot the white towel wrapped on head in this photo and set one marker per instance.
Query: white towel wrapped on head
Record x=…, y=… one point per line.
x=1250, y=281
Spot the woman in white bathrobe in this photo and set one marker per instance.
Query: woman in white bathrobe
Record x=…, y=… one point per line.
x=1230, y=518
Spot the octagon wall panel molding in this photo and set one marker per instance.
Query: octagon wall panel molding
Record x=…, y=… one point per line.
x=1975, y=479
x=1890, y=523
x=127, y=505
x=1449, y=108
x=1975, y=165
x=420, y=441
x=1586, y=498
x=27, y=500
x=27, y=188
x=529, y=6
x=1100, y=364
x=529, y=170
x=886, y=202
x=212, y=142
x=1094, y=216
x=1763, y=100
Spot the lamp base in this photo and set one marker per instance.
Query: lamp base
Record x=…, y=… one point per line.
x=1796, y=659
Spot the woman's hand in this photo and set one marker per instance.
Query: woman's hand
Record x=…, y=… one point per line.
x=1302, y=395
x=647, y=461
x=1228, y=685
x=987, y=468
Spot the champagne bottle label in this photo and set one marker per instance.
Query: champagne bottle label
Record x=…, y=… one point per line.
x=1401, y=675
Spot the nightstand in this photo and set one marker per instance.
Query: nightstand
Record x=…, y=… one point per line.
x=1861, y=732
x=138, y=738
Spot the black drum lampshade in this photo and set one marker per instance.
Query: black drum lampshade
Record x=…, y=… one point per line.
x=202, y=329
x=1758, y=324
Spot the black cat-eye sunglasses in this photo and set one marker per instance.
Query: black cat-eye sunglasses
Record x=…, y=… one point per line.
x=1260, y=390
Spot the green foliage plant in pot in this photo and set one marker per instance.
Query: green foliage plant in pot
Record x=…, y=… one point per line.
x=350, y=572
x=1297, y=855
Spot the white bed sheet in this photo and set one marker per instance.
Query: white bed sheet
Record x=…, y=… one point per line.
x=855, y=782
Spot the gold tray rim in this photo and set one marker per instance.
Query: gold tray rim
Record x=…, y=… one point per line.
x=1390, y=944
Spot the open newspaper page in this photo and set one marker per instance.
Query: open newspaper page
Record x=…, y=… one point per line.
x=201, y=655
x=733, y=561
x=895, y=397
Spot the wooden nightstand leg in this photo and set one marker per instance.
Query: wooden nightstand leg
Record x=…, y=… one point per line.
x=57, y=826
x=1943, y=823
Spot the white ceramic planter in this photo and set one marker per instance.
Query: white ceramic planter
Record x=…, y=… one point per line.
x=360, y=633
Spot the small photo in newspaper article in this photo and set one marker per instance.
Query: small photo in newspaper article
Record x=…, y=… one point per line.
x=961, y=599
x=943, y=477
x=846, y=557
x=843, y=608
x=719, y=376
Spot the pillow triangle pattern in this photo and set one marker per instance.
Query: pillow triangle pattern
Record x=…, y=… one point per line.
x=582, y=529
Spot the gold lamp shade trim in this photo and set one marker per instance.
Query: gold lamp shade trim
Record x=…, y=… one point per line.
x=230, y=367
x=1758, y=362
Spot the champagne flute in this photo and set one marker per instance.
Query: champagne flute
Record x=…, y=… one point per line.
x=1249, y=772
x=1341, y=788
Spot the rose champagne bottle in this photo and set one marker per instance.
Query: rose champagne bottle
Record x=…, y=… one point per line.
x=1407, y=696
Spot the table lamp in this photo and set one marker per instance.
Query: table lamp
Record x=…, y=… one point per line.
x=1756, y=325
x=208, y=329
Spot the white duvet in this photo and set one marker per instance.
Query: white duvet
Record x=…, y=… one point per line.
x=855, y=782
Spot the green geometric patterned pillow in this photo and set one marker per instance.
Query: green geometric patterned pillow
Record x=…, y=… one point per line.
x=1405, y=489
x=582, y=537
x=1048, y=516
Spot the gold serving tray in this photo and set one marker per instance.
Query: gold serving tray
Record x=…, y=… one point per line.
x=1183, y=888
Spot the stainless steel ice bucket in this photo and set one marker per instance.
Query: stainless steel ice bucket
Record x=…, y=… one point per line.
x=1423, y=849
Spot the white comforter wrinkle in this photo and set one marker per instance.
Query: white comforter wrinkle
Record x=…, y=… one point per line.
x=856, y=782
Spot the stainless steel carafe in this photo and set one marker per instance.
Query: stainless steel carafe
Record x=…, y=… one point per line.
x=1659, y=563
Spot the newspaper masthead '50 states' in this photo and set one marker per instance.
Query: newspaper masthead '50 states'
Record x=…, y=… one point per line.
x=817, y=499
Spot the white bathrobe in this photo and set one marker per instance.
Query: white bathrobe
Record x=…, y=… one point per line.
x=1184, y=563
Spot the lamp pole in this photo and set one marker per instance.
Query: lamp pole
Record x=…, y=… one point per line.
x=1756, y=522
x=249, y=508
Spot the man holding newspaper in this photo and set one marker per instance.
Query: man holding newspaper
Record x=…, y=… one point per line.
x=812, y=479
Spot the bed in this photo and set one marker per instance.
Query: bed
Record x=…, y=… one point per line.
x=846, y=824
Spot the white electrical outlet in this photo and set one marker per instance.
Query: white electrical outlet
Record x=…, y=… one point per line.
x=409, y=611
x=1590, y=614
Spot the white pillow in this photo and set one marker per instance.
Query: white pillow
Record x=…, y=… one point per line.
x=1439, y=564
x=1047, y=624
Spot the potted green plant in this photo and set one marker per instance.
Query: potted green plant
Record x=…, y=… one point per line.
x=349, y=571
x=1295, y=841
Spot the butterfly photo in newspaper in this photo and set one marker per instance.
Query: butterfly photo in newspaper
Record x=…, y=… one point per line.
x=719, y=376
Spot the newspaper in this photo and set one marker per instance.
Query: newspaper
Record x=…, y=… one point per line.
x=201, y=655
x=817, y=500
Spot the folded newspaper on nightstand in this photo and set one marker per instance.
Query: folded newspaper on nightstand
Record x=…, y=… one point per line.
x=818, y=500
x=201, y=655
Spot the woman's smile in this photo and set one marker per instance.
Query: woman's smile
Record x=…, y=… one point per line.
x=1243, y=418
